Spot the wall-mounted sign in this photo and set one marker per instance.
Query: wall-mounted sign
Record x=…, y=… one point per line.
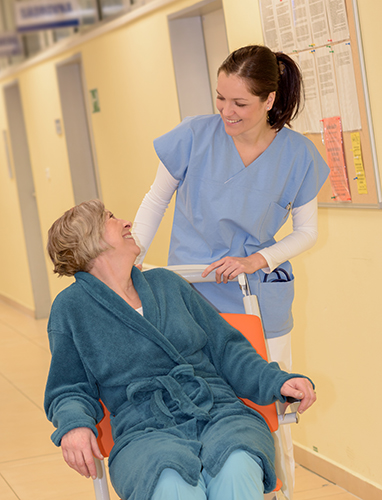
x=58, y=126
x=46, y=14
x=95, y=101
x=10, y=44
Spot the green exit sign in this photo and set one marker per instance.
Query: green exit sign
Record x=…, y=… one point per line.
x=95, y=101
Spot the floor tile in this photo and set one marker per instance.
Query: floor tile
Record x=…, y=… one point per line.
x=46, y=478
x=25, y=431
x=22, y=322
x=6, y=492
x=26, y=365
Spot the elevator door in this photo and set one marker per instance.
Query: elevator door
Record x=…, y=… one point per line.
x=199, y=45
x=77, y=132
x=27, y=200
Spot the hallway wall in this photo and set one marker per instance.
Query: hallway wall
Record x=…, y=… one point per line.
x=337, y=334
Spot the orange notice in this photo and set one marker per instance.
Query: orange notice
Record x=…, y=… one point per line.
x=336, y=158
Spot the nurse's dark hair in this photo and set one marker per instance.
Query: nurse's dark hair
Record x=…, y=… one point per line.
x=76, y=238
x=264, y=72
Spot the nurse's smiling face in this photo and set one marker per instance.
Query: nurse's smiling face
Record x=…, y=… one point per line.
x=242, y=112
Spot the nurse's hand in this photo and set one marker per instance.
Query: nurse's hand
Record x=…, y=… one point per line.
x=78, y=447
x=228, y=268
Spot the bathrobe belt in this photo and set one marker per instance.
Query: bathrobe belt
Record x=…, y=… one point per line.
x=153, y=388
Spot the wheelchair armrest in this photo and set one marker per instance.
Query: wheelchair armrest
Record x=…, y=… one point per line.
x=292, y=416
x=291, y=400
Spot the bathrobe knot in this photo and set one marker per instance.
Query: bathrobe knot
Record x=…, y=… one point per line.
x=180, y=390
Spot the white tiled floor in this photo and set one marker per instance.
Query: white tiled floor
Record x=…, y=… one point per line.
x=31, y=467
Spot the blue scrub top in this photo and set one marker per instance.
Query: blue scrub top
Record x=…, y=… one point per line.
x=224, y=208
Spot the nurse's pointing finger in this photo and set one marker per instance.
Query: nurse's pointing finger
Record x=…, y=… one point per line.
x=211, y=268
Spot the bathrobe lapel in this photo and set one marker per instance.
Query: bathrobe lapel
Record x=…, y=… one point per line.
x=147, y=325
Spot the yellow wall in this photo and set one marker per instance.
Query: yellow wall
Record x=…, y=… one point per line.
x=337, y=331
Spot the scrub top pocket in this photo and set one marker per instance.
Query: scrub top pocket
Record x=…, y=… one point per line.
x=275, y=300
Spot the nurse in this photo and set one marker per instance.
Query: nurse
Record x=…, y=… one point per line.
x=238, y=176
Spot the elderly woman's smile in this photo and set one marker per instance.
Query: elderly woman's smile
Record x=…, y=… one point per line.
x=115, y=229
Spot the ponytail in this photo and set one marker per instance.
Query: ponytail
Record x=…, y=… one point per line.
x=289, y=92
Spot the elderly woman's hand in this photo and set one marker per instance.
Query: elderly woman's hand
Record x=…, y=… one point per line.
x=78, y=448
x=302, y=389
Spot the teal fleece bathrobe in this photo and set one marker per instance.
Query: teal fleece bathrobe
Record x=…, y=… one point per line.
x=170, y=379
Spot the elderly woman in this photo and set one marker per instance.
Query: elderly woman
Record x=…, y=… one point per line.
x=166, y=365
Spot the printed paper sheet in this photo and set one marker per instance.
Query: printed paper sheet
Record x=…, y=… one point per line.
x=312, y=109
x=318, y=22
x=358, y=163
x=327, y=82
x=338, y=22
x=302, y=24
x=347, y=90
x=270, y=29
x=338, y=176
x=284, y=17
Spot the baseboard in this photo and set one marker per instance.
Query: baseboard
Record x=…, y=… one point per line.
x=336, y=474
x=17, y=306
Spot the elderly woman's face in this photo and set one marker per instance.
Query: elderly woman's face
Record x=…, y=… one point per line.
x=117, y=234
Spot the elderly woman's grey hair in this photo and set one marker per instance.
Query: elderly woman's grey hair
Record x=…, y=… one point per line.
x=75, y=239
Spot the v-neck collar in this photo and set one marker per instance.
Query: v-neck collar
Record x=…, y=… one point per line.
x=267, y=151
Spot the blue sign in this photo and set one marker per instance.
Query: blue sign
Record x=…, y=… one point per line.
x=46, y=14
x=10, y=44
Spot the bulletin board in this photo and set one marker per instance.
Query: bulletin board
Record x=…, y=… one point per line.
x=323, y=37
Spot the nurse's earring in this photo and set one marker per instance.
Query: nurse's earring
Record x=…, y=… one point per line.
x=268, y=109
